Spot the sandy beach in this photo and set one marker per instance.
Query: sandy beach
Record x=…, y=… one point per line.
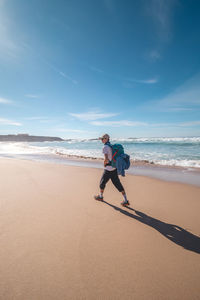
x=57, y=242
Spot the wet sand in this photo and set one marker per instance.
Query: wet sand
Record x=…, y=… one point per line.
x=59, y=243
x=187, y=175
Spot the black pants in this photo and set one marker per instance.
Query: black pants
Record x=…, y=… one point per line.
x=114, y=177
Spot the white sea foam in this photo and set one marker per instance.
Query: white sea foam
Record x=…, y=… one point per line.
x=161, y=140
x=21, y=148
x=183, y=152
x=79, y=152
x=179, y=163
x=27, y=148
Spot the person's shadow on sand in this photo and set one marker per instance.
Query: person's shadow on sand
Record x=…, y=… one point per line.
x=173, y=232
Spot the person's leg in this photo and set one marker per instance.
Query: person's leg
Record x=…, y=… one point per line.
x=117, y=183
x=125, y=202
x=104, y=179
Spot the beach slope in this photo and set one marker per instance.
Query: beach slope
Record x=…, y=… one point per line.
x=57, y=242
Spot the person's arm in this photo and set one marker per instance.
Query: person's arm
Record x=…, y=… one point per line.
x=106, y=160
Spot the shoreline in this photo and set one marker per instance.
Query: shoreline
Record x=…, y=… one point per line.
x=170, y=152
x=135, y=162
x=81, y=158
x=177, y=174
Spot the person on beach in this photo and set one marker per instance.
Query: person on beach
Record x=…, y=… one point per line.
x=109, y=172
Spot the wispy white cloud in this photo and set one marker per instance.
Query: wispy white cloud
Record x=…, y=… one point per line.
x=176, y=109
x=153, y=55
x=173, y=125
x=39, y=119
x=126, y=81
x=34, y=96
x=96, y=69
x=68, y=77
x=61, y=73
x=35, y=118
x=9, y=47
x=164, y=125
x=92, y=115
x=145, y=81
x=119, y=123
x=9, y=122
x=189, y=124
x=127, y=123
x=5, y=101
x=185, y=97
x=72, y=130
x=161, y=12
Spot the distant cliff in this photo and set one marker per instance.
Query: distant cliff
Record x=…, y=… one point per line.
x=28, y=138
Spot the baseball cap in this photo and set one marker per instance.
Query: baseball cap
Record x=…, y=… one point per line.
x=104, y=136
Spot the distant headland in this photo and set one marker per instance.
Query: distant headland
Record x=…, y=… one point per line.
x=28, y=138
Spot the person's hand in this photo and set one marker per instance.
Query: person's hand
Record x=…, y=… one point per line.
x=106, y=161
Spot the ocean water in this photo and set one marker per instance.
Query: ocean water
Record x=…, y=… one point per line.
x=183, y=152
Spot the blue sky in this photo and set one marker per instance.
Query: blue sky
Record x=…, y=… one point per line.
x=77, y=69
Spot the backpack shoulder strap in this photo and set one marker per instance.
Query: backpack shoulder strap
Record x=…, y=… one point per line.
x=108, y=144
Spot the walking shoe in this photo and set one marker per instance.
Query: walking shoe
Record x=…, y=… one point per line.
x=125, y=203
x=98, y=197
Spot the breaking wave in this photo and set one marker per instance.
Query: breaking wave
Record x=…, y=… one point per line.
x=177, y=151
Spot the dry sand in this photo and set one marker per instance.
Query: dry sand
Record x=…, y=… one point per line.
x=57, y=242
